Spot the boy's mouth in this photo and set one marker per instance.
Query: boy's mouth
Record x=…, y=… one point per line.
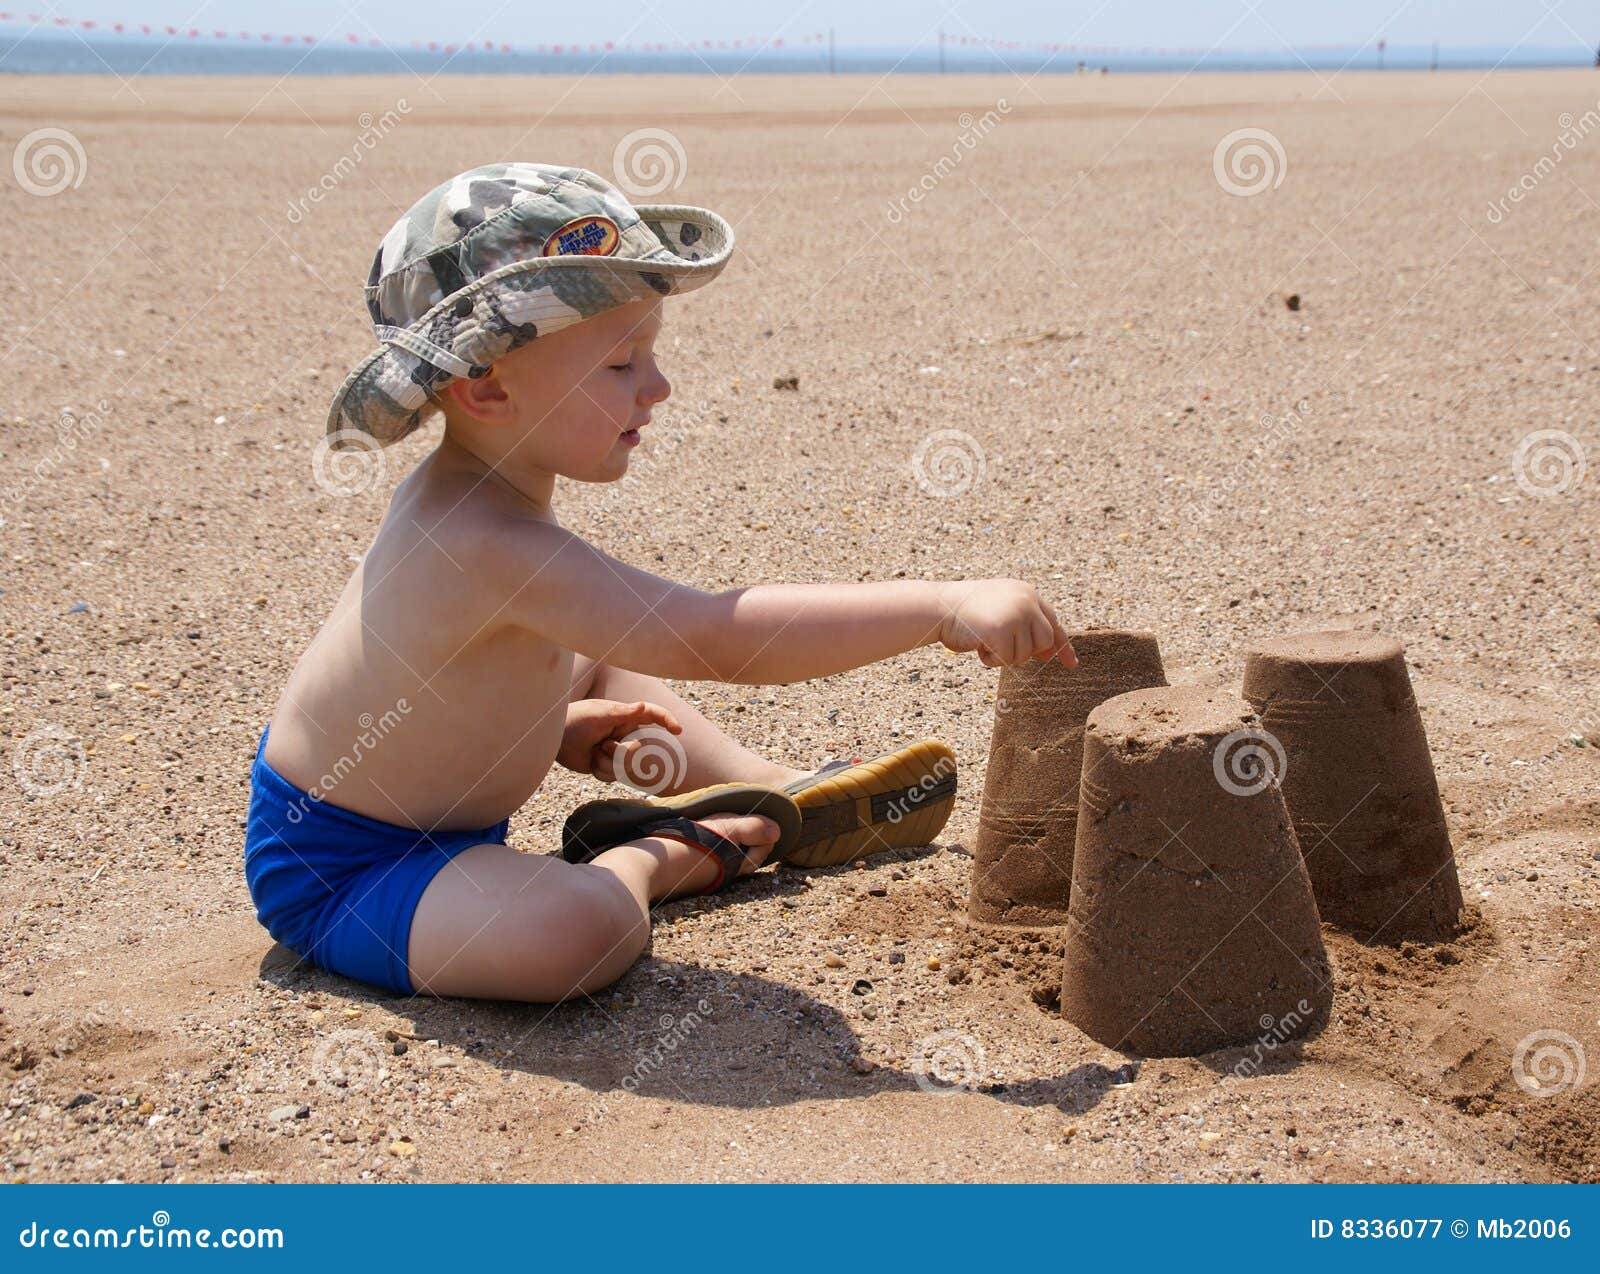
x=631, y=437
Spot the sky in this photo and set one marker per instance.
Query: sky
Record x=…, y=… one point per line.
x=1227, y=24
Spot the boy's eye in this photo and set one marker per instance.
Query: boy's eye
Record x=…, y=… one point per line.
x=620, y=367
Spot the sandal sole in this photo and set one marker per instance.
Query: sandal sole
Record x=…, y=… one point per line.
x=901, y=798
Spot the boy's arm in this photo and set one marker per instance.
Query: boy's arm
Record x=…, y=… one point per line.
x=590, y=602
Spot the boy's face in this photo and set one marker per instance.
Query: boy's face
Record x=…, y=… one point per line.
x=572, y=403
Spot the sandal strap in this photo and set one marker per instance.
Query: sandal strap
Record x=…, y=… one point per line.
x=729, y=854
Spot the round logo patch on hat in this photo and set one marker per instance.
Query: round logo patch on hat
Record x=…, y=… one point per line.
x=584, y=236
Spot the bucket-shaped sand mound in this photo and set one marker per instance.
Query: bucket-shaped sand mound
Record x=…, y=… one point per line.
x=1359, y=782
x=1027, y=824
x=1192, y=925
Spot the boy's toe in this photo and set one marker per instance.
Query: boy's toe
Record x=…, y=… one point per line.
x=747, y=829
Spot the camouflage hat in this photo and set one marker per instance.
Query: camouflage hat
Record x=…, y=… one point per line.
x=495, y=257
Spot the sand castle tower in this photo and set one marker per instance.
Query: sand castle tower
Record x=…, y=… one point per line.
x=1192, y=924
x=1359, y=782
x=1022, y=865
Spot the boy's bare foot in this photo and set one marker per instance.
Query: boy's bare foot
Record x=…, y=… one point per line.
x=681, y=868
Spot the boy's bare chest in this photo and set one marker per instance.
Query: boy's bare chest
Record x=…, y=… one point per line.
x=509, y=689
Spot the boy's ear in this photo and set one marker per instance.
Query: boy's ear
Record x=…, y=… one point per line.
x=484, y=399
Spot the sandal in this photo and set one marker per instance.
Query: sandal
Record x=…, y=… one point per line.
x=596, y=826
x=853, y=808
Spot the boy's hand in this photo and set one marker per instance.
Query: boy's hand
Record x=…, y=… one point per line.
x=593, y=743
x=1004, y=620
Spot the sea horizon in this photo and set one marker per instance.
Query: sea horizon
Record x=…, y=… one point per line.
x=88, y=53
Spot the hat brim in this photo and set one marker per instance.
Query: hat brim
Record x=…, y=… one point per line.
x=385, y=396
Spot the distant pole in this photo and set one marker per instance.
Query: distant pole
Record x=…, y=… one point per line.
x=1597, y=57
x=831, y=64
x=1434, y=65
x=941, y=53
x=1380, y=54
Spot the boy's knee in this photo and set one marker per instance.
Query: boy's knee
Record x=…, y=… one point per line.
x=600, y=932
x=614, y=930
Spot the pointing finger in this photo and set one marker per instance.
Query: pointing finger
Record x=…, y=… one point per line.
x=1063, y=644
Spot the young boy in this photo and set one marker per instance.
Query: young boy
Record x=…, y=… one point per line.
x=478, y=641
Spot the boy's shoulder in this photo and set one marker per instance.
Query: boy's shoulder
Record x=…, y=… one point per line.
x=466, y=531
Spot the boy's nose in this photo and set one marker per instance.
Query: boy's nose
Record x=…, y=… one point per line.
x=657, y=390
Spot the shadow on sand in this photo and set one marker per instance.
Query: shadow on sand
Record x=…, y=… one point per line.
x=715, y=1037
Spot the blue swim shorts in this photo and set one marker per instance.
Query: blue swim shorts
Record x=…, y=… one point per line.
x=336, y=887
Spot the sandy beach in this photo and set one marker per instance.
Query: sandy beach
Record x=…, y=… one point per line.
x=1057, y=328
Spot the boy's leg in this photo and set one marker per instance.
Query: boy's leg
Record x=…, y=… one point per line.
x=901, y=798
x=502, y=925
x=711, y=756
